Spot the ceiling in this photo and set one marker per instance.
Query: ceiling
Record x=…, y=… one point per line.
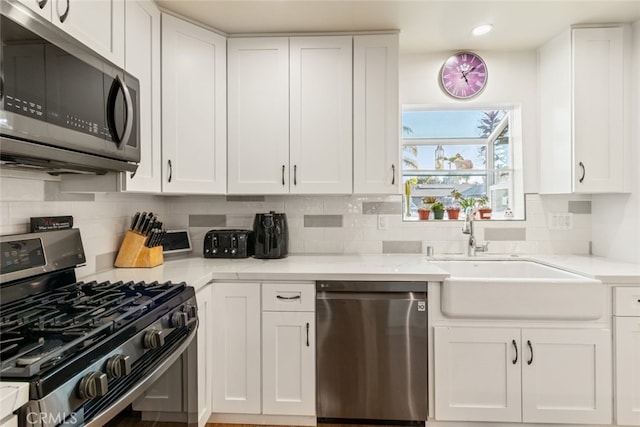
x=425, y=25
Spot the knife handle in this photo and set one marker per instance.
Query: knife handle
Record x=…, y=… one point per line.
x=134, y=221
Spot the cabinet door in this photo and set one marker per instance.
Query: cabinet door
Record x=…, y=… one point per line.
x=321, y=141
x=627, y=370
x=99, y=24
x=288, y=363
x=376, y=132
x=204, y=396
x=41, y=7
x=554, y=97
x=600, y=129
x=477, y=374
x=236, y=348
x=142, y=59
x=566, y=376
x=258, y=108
x=193, y=108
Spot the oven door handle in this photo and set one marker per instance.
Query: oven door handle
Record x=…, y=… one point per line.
x=141, y=387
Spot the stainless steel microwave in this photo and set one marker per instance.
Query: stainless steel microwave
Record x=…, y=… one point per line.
x=63, y=108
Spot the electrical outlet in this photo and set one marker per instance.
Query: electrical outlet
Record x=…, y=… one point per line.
x=560, y=221
x=382, y=222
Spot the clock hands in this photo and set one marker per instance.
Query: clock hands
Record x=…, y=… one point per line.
x=464, y=74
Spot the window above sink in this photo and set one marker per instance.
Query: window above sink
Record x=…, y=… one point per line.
x=474, y=152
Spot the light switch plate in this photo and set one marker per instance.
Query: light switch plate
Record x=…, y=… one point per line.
x=560, y=221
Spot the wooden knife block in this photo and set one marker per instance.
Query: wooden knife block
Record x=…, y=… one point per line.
x=133, y=252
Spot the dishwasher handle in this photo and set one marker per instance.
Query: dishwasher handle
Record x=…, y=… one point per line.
x=370, y=296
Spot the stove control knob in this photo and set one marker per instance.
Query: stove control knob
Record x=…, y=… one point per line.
x=179, y=318
x=93, y=385
x=118, y=366
x=153, y=339
x=192, y=310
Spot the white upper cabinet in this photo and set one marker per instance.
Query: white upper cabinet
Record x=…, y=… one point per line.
x=584, y=112
x=321, y=115
x=142, y=59
x=290, y=115
x=41, y=7
x=193, y=108
x=99, y=24
x=258, y=108
x=376, y=111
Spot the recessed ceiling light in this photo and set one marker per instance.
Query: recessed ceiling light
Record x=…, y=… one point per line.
x=482, y=29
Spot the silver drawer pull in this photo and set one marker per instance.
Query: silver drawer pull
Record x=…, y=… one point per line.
x=288, y=298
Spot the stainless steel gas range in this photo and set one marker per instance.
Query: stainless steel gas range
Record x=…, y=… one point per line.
x=87, y=349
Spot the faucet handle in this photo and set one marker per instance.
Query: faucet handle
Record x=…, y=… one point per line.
x=483, y=248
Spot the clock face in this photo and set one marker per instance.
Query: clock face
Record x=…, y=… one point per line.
x=463, y=75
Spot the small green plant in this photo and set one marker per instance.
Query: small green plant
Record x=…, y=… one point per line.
x=469, y=202
x=437, y=206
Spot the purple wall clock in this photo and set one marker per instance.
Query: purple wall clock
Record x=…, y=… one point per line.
x=463, y=75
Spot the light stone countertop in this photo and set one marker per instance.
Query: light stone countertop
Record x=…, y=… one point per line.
x=197, y=271
x=12, y=396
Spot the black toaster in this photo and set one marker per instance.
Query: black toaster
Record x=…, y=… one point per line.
x=225, y=243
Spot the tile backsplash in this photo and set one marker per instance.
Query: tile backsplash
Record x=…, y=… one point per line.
x=317, y=224
x=353, y=224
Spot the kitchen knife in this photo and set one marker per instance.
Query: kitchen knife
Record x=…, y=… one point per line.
x=149, y=240
x=140, y=221
x=146, y=226
x=134, y=221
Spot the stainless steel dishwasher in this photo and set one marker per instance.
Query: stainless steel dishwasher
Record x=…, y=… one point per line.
x=371, y=342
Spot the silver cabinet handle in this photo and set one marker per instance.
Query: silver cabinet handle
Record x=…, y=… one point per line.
x=584, y=171
x=170, y=170
x=288, y=298
x=307, y=334
x=393, y=178
x=295, y=174
x=64, y=16
x=515, y=347
x=530, y=361
x=42, y=3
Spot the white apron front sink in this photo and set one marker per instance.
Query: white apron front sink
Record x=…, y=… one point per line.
x=518, y=290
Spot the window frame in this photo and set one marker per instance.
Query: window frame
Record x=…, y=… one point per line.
x=512, y=118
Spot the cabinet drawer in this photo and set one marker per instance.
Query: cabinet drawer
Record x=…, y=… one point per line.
x=288, y=296
x=627, y=301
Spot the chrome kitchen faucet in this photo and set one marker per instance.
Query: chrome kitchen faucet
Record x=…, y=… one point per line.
x=467, y=228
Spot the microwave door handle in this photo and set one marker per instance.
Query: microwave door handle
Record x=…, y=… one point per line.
x=111, y=113
x=128, y=127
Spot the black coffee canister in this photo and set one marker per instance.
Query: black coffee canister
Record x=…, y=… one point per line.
x=271, y=235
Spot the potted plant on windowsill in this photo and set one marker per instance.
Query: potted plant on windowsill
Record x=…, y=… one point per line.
x=423, y=213
x=484, y=210
x=438, y=210
x=453, y=211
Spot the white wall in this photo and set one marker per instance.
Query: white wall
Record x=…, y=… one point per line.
x=513, y=78
x=616, y=218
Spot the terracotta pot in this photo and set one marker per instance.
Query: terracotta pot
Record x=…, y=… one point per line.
x=485, y=213
x=438, y=214
x=453, y=213
x=423, y=214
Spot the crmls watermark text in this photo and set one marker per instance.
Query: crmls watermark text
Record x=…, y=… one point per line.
x=39, y=418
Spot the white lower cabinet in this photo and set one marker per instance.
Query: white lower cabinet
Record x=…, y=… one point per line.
x=288, y=363
x=529, y=375
x=204, y=353
x=264, y=361
x=627, y=351
x=236, y=340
